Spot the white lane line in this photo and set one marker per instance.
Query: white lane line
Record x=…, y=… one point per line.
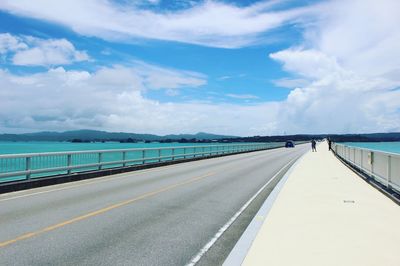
x=207, y=246
x=8, y=196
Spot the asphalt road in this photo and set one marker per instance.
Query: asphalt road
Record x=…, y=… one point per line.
x=160, y=216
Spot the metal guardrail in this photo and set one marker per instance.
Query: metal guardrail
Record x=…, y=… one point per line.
x=35, y=165
x=384, y=167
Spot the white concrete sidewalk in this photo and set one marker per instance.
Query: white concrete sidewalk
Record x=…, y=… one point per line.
x=327, y=215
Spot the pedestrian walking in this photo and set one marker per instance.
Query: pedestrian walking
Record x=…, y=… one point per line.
x=313, y=145
x=329, y=144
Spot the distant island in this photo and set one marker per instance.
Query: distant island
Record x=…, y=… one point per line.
x=78, y=136
x=103, y=136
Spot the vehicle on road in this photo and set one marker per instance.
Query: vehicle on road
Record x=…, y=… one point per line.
x=289, y=144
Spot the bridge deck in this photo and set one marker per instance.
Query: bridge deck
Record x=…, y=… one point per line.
x=159, y=216
x=327, y=215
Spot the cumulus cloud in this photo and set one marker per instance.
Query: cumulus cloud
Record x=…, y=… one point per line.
x=344, y=74
x=349, y=63
x=32, y=51
x=208, y=23
x=9, y=43
x=79, y=99
x=290, y=83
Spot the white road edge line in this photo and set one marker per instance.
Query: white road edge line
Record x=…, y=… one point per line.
x=207, y=246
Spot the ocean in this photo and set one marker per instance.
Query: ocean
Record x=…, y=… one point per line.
x=19, y=164
x=53, y=146
x=393, y=147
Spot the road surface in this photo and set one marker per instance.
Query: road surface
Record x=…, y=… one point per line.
x=159, y=216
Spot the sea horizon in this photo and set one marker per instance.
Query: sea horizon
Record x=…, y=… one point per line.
x=385, y=146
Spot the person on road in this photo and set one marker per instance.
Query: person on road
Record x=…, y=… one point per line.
x=313, y=145
x=329, y=144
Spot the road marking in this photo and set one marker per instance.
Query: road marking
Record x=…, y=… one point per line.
x=222, y=230
x=100, y=211
x=97, y=180
x=86, y=182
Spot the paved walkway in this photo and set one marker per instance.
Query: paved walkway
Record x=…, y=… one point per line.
x=327, y=215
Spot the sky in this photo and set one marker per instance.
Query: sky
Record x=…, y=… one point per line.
x=241, y=67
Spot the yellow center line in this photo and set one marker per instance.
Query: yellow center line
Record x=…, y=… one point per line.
x=84, y=183
x=81, y=183
x=100, y=211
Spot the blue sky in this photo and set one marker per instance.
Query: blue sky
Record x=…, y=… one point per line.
x=230, y=67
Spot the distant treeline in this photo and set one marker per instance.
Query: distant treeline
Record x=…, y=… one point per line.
x=83, y=136
x=102, y=136
x=130, y=140
x=374, y=137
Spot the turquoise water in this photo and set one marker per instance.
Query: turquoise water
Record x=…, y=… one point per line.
x=51, y=146
x=393, y=147
x=88, y=161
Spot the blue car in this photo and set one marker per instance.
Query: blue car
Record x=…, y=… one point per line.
x=289, y=144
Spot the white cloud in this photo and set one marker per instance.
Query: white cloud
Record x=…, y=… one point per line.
x=242, y=96
x=9, y=42
x=362, y=35
x=32, y=51
x=162, y=78
x=49, y=52
x=344, y=74
x=350, y=60
x=290, y=82
x=209, y=23
x=224, y=77
x=79, y=99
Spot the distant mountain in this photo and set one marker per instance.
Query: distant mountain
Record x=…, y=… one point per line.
x=95, y=135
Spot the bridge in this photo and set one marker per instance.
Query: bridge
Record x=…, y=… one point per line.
x=250, y=205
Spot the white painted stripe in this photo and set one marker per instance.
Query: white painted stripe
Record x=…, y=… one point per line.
x=201, y=253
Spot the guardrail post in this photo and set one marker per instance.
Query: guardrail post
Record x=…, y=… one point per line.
x=99, y=160
x=69, y=162
x=143, y=156
x=28, y=167
x=173, y=154
x=372, y=162
x=389, y=168
x=123, y=158
x=159, y=155
x=184, y=153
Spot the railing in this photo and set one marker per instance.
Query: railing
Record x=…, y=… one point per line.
x=35, y=165
x=384, y=167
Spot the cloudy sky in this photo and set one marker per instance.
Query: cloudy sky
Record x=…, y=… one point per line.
x=239, y=67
